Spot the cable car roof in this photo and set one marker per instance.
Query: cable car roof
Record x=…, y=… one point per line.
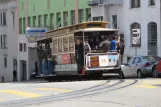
x=97, y=30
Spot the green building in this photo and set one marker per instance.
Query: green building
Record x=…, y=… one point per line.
x=52, y=13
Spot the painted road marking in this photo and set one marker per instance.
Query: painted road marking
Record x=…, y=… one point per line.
x=21, y=93
x=53, y=89
x=155, y=83
x=146, y=86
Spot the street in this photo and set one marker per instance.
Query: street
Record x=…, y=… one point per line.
x=110, y=92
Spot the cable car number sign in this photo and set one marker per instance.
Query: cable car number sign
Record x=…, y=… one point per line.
x=99, y=61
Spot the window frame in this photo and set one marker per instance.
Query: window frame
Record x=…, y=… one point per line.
x=5, y=60
x=69, y=43
x=4, y=18
x=1, y=16
x=20, y=47
x=72, y=17
x=20, y=25
x=29, y=21
x=13, y=16
x=81, y=16
x=151, y=3
x=24, y=47
x=98, y=18
x=40, y=20
x=89, y=16
x=24, y=25
x=134, y=5
x=3, y=41
x=46, y=21
x=65, y=44
x=59, y=20
x=34, y=21
x=52, y=18
x=115, y=23
x=65, y=15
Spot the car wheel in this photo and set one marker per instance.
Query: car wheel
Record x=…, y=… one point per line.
x=121, y=75
x=155, y=73
x=139, y=74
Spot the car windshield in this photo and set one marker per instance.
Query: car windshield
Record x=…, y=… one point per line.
x=151, y=58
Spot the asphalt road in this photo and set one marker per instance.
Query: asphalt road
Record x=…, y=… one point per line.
x=104, y=93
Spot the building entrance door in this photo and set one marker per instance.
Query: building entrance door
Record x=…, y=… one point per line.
x=23, y=70
x=152, y=39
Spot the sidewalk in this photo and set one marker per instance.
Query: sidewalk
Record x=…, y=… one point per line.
x=29, y=81
x=33, y=80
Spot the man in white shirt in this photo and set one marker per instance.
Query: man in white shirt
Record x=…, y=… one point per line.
x=87, y=47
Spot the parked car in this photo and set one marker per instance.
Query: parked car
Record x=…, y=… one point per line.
x=156, y=69
x=138, y=66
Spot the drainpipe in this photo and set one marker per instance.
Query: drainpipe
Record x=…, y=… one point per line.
x=17, y=32
x=76, y=11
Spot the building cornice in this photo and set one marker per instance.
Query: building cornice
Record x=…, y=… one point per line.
x=104, y=2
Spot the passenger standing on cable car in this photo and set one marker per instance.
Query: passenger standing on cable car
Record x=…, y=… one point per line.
x=86, y=45
x=39, y=54
x=79, y=54
x=118, y=48
x=122, y=47
x=50, y=60
x=44, y=62
x=54, y=63
x=105, y=45
x=114, y=43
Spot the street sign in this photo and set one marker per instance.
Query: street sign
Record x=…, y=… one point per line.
x=135, y=36
x=33, y=33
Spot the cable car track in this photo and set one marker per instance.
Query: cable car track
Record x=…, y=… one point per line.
x=95, y=90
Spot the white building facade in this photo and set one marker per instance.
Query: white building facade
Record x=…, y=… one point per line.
x=108, y=10
x=143, y=15
x=8, y=40
x=127, y=15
